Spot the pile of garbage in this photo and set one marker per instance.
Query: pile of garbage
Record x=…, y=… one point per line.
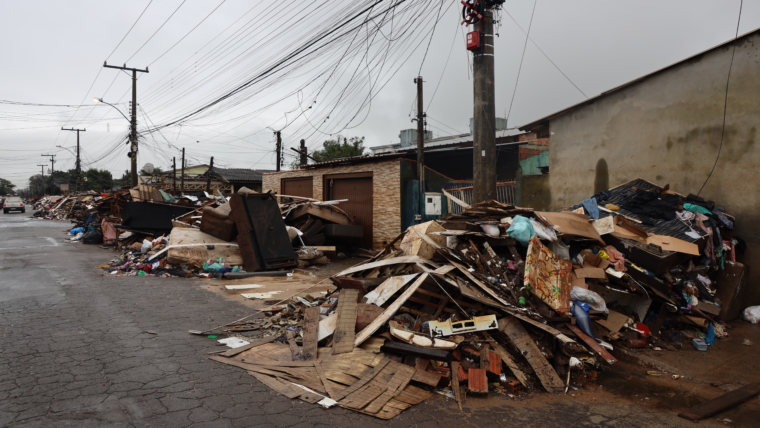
x=500, y=299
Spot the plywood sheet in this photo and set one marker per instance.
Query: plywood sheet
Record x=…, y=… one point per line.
x=197, y=255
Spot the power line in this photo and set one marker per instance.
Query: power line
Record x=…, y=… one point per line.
x=519, y=69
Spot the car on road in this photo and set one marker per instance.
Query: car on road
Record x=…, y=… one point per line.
x=13, y=203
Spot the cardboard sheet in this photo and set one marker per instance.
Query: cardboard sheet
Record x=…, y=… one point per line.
x=628, y=230
x=572, y=224
x=614, y=322
x=590, y=272
x=668, y=243
x=548, y=276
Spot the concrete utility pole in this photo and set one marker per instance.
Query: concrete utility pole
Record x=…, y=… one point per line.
x=279, y=149
x=182, y=177
x=133, y=120
x=303, y=160
x=79, y=164
x=484, y=129
x=208, y=179
x=420, y=136
x=42, y=172
x=52, y=170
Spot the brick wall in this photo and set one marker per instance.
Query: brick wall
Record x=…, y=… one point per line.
x=526, y=151
x=386, y=190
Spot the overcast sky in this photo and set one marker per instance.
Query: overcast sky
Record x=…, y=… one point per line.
x=200, y=50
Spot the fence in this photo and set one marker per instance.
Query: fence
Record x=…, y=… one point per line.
x=505, y=193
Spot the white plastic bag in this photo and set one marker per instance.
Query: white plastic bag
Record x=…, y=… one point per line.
x=752, y=314
x=594, y=300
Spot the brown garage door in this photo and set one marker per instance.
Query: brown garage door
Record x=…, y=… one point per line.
x=357, y=188
x=302, y=186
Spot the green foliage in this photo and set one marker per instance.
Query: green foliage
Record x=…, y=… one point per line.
x=6, y=186
x=335, y=149
x=156, y=171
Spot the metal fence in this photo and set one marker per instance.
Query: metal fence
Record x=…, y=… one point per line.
x=505, y=193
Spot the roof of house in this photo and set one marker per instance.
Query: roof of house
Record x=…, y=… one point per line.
x=535, y=123
x=240, y=175
x=445, y=141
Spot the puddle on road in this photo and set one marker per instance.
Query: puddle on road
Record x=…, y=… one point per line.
x=635, y=383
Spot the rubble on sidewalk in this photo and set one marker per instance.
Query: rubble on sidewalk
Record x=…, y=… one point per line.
x=500, y=299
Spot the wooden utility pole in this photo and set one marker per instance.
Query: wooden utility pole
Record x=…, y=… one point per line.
x=174, y=175
x=484, y=128
x=42, y=172
x=182, y=177
x=79, y=164
x=208, y=174
x=279, y=149
x=52, y=171
x=133, y=120
x=420, y=136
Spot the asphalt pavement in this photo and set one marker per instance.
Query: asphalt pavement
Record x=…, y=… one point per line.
x=82, y=348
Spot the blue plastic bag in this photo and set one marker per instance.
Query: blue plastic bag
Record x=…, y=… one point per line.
x=521, y=230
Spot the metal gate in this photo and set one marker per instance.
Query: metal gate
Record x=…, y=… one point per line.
x=357, y=188
x=301, y=186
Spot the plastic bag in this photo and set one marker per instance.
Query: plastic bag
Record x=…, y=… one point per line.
x=593, y=299
x=93, y=237
x=752, y=314
x=146, y=246
x=521, y=230
x=76, y=230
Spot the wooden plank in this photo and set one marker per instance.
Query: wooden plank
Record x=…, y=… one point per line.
x=484, y=358
x=380, y=263
x=388, y=288
x=477, y=282
x=455, y=385
x=721, y=403
x=477, y=381
x=522, y=340
x=368, y=376
x=295, y=351
x=390, y=311
x=508, y=360
x=593, y=344
x=277, y=385
x=235, y=351
x=427, y=378
x=345, y=329
x=372, y=390
x=413, y=395
x=328, y=386
x=399, y=381
x=310, y=333
x=547, y=328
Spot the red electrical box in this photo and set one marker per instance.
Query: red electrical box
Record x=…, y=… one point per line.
x=473, y=41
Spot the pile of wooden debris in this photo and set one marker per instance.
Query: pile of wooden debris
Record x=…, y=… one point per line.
x=456, y=306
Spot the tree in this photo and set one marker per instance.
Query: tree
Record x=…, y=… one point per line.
x=335, y=149
x=97, y=180
x=6, y=187
x=156, y=171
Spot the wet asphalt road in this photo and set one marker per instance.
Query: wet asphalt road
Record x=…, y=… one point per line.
x=76, y=353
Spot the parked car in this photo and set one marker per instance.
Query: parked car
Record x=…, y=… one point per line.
x=13, y=203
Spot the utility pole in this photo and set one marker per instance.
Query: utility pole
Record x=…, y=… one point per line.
x=174, y=175
x=279, y=149
x=303, y=160
x=133, y=121
x=208, y=179
x=182, y=177
x=420, y=136
x=42, y=168
x=52, y=171
x=79, y=164
x=484, y=129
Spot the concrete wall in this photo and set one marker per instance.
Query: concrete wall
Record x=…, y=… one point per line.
x=667, y=129
x=386, y=188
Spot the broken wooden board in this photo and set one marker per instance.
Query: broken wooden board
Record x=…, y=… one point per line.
x=277, y=385
x=198, y=253
x=390, y=311
x=388, y=288
x=380, y=263
x=235, y=351
x=418, y=351
x=243, y=286
x=327, y=326
x=721, y=403
x=325, y=382
x=310, y=333
x=455, y=385
x=322, y=212
x=508, y=360
x=398, y=382
x=343, y=338
x=368, y=376
x=522, y=340
x=413, y=245
x=547, y=276
x=593, y=344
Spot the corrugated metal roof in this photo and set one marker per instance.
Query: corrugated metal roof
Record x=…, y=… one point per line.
x=445, y=141
x=240, y=174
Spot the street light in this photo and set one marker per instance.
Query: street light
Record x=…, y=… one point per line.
x=132, y=135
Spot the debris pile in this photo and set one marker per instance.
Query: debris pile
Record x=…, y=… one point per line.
x=498, y=299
